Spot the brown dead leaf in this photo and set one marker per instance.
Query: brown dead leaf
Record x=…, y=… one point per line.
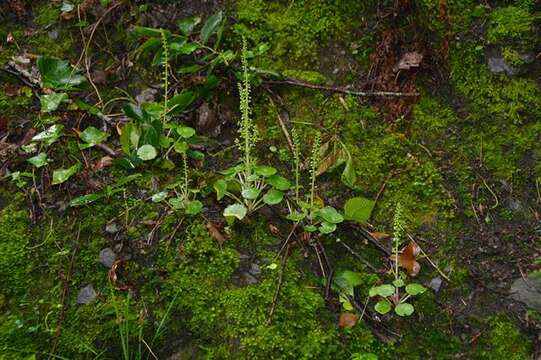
x=409, y=60
x=10, y=39
x=104, y=162
x=329, y=160
x=274, y=229
x=408, y=258
x=379, y=235
x=348, y=320
x=215, y=233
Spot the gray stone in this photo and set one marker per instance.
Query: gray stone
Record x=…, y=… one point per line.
x=498, y=66
x=247, y=279
x=112, y=228
x=53, y=34
x=435, y=284
x=527, y=291
x=147, y=95
x=107, y=257
x=255, y=269
x=86, y=295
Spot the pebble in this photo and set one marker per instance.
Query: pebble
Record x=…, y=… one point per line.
x=107, y=257
x=86, y=295
x=435, y=284
x=112, y=228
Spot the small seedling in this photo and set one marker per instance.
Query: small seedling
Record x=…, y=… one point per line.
x=397, y=293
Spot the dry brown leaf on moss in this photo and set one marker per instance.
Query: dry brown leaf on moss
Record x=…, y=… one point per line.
x=408, y=258
x=348, y=320
x=215, y=233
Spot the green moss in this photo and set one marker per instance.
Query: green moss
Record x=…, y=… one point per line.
x=502, y=340
x=294, y=30
x=511, y=24
x=14, y=253
x=47, y=14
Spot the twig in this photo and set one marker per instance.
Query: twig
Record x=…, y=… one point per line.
x=328, y=285
x=283, y=127
x=359, y=257
x=107, y=149
x=370, y=238
x=279, y=286
x=295, y=82
x=430, y=261
x=65, y=292
x=17, y=70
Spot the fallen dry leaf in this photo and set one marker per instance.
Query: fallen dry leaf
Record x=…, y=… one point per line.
x=408, y=258
x=273, y=229
x=348, y=320
x=379, y=235
x=104, y=162
x=215, y=233
x=409, y=60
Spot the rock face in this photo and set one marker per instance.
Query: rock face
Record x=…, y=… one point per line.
x=86, y=295
x=527, y=291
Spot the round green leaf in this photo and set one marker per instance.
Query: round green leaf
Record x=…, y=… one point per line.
x=39, y=160
x=265, y=171
x=358, y=209
x=415, y=289
x=61, y=175
x=187, y=24
x=50, y=135
x=176, y=203
x=326, y=227
x=185, y=131
x=329, y=214
x=159, y=196
x=92, y=136
x=348, y=279
x=404, y=309
x=296, y=216
x=180, y=147
x=196, y=154
x=220, y=187
x=146, y=152
x=383, y=306
x=52, y=101
x=398, y=283
x=273, y=197
x=236, y=210
x=278, y=182
x=310, y=228
x=193, y=207
x=250, y=193
x=385, y=290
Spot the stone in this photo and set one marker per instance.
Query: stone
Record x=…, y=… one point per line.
x=107, y=257
x=528, y=291
x=247, y=279
x=255, y=269
x=147, y=95
x=112, y=228
x=86, y=295
x=435, y=283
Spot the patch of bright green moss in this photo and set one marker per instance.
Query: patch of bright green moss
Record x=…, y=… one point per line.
x=502, y=340
x=295, y=29
x=511, y=24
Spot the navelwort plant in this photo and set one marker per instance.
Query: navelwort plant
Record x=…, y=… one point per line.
x=397, y=293
x=314, y=216
x=259, y=184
